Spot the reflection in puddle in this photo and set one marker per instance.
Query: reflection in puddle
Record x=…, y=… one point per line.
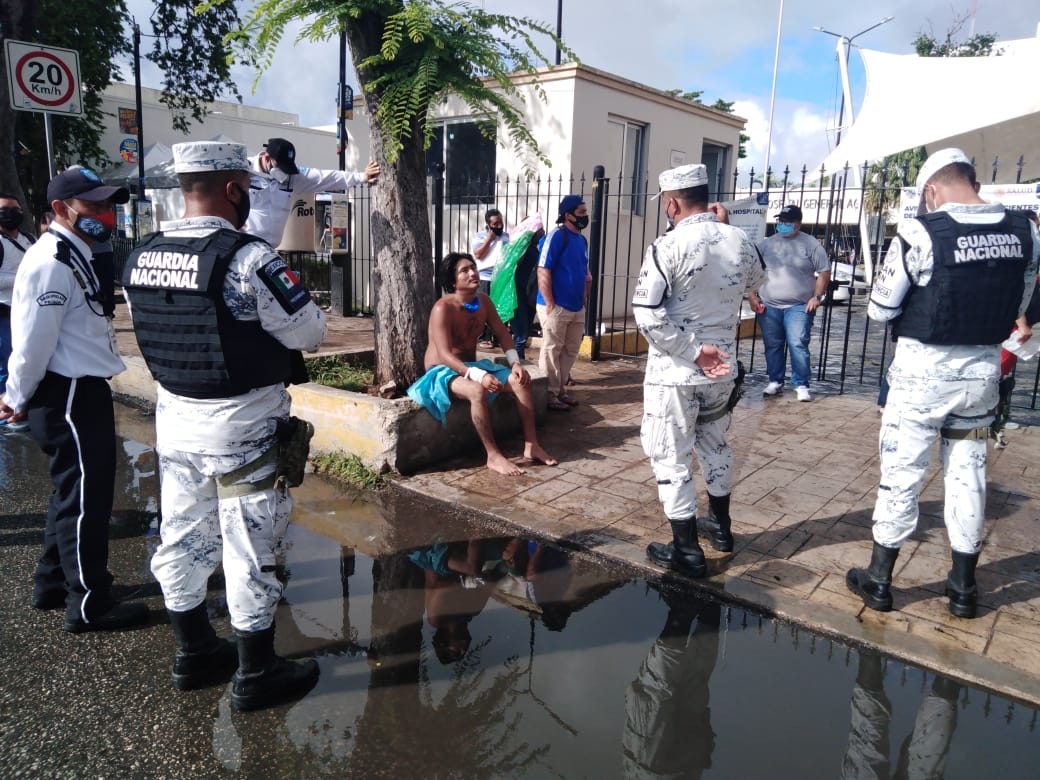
x=500, y=656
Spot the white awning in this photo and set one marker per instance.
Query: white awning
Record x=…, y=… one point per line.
x=987, y=106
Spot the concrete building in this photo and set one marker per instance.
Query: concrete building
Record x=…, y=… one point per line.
x=588, y=117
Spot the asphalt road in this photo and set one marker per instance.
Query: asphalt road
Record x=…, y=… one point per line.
x=101, y=705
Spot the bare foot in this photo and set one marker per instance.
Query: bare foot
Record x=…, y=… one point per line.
x=536, y=453
x=501, y=464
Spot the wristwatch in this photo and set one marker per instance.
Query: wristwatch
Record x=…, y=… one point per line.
x=820, y=298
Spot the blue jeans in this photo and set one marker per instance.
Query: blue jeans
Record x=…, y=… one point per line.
x=790, y=325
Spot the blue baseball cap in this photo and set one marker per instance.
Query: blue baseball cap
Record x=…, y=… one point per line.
x=83, y=183
x=569, y=203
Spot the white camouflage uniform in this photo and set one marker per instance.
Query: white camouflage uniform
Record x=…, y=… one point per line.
x=199, y=439
x=668, y=733
x=270, y=202
x=935, y=386
x=689, y=293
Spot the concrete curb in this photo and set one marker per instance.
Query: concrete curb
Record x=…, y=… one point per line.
x=386, y=434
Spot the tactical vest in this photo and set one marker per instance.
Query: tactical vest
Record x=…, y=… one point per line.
x=977, y=282
x=192, y=344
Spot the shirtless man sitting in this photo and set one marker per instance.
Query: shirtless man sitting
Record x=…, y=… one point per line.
x=456, y=322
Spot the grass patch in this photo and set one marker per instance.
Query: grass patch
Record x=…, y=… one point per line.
x=348, y=468
x=333, y=371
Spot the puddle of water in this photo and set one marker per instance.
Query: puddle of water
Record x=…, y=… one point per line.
x=456, y=676
x=448, y=649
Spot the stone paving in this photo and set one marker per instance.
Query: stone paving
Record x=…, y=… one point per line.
x=806, y=478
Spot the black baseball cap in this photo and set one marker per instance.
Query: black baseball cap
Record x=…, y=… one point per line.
x=83, y=183
x=284, y=153
x=789, y=213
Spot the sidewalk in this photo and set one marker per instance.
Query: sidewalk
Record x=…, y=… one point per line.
x=806, y=479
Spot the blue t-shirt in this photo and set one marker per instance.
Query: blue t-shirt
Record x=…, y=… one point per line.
x=569, y=266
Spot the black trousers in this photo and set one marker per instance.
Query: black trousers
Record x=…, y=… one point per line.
x=73, y=422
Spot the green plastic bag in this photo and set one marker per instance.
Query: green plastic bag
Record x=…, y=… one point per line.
x=503, y=278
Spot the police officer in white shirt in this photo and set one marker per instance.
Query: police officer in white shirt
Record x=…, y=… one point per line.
x=64, y=352
x=13, y=245
x=277, y=179
x=219, y=316
x=953, y=282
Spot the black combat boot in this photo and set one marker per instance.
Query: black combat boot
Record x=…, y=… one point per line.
x=716, y=526
x=873, y=582
x=683, y=554
x=264, y=679
x=960, y=585
x=202, y=658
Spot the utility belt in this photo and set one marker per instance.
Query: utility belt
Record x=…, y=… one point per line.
x=288, y=454
x=711, y=415
x=973, y=434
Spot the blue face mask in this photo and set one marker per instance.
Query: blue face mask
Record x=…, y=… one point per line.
x=784, y=228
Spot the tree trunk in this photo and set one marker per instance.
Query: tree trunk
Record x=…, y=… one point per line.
x=15, y=23
x=403, y=273
x=403, y=277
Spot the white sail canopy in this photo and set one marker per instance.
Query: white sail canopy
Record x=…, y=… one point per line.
x=987, y=106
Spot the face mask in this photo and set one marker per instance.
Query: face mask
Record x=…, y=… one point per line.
x=581, y=222
x=10, y=218
x=497, y=230
x=784, y=228
x=669, y=219
x=98, y=228
x=242, y=207
x=279, y=175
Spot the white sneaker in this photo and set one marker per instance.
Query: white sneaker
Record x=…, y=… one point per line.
x=773, y=388
x=802, y=393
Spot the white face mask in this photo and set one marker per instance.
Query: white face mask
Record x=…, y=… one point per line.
x=279, y=175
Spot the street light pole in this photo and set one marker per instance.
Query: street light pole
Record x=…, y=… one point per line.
x=772, y=94
x=844, y=48
x=559, y=28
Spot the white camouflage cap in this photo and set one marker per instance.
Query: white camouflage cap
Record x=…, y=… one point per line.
x=208, y=156
x=937, y=161
x=681, y=178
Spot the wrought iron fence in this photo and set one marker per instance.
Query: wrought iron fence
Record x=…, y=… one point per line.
x=854, y=222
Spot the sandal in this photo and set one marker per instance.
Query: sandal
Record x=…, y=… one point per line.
x=557, y=405
x=568, y=399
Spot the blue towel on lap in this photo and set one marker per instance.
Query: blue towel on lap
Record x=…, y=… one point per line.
x=431, y=389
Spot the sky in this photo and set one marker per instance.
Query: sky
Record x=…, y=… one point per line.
x=725, y=49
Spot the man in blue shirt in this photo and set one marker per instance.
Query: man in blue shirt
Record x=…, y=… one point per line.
x=563, y=287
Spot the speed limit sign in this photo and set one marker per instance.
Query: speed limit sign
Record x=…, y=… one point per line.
x=43, y=78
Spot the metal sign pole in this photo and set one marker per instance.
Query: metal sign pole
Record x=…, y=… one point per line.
x=50, y=144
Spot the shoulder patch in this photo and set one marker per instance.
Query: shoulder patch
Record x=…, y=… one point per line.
x=52, y=298
x=284, y=285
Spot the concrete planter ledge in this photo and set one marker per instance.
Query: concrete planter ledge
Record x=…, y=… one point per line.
x=386, y=434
